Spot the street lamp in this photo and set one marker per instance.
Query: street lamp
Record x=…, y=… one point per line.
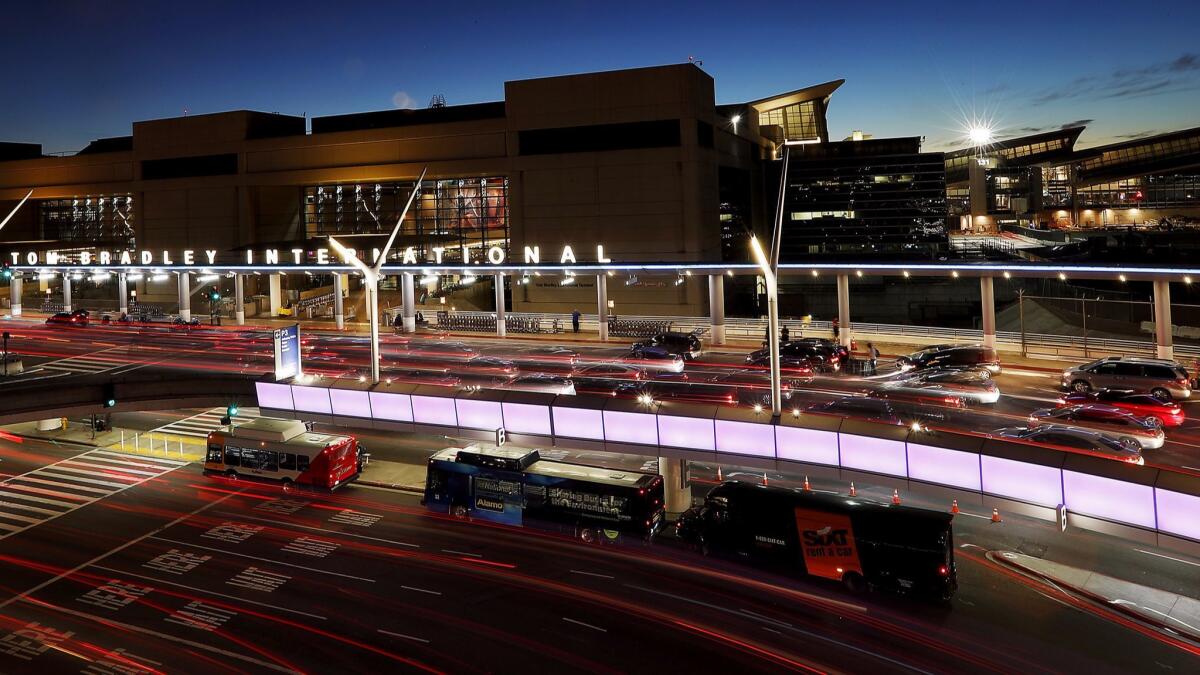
x=372, y=275
x=760, y=257
x=15, y=208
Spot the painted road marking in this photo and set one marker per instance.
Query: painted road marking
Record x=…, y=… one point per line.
x=121, y=662
x=201, y=424
x=284, y=507
x=356, y=518
x=316, y=548
x=208, y=592
x=259, y=580
x=233, y=533
x=197, y=614
x=403, y=636
x=114, y=595
x=1159, y=555
x=32, y=641
x=340, y=533
x=591, y=574
x=421, y=590
x=176, y=562
x=585, y=625
x=266, y=560
x=57, y=489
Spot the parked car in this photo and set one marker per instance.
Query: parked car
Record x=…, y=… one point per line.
x=542, y=383
x=833, y=346
x=981, y=359
x=798, y=356
x=1167, y=412
x=1074, y=438
x=682, y=392
x=67, y=319
x=882, y=410
x=968, y=386
x=1161, y=378
x=655, y=357
x=1146, y=431
x=686, y=345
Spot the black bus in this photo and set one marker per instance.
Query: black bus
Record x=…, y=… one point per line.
x=860, y=543
x=516, y=486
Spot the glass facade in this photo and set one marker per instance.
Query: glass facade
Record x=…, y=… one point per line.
x=103, y=219
x=863, y=205
x=1142, y=152
x=800, y=121
x=1147, y=192
x=448, y=213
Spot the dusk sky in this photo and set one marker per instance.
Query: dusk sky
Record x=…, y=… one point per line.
x=76, y=71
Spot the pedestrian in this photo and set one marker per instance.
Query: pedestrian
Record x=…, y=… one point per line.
x=836, y=329
x=872, y=357
x=784, y=333
x=575, y=320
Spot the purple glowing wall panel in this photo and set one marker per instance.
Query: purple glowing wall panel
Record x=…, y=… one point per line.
x=525, y=418
x=1178, y=514
x=745, y=438
x=350, y=402
x=943, y=466
x=311, y=399
x=1109, y=499
x=434, y=410
x=627, y=427
x=578, y=423
x=807, y=445
x=694, y=433
x=273, y=395
x=877, y=455
x=1032, y=483
x=479, y=414
x=391, y=407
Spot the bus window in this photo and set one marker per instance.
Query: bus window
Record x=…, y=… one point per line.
x=287, y=461
x=233, y=457
x=268, y=460
x=301, y=463
x=214, y=453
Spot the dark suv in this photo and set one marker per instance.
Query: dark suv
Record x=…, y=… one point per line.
x=686, y=345
x=981, y=359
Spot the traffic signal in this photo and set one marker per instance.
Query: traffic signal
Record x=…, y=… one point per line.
x=110, y=396
x=6, y=273
x=214, y=295
x=230, y=413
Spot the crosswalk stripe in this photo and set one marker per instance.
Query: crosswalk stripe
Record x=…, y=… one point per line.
x=169, y=462
x=40, y=500
x=111, y=463
x=20, y=519
x=66, y=485
x=92, y=481
x=11, y=528
x=44, y=491
x=134, y=473
x=25, y=507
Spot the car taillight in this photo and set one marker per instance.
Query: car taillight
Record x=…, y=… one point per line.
x=943, y=570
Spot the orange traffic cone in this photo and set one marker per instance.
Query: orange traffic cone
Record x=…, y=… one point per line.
x=807, y=487
x=895, y=496
x=996, y=515
x=853, y=492
x=954, y=506
x=764, y=478
x=720, y=478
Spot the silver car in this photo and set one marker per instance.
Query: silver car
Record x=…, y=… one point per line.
x=1145, y=431
x=1161, y=378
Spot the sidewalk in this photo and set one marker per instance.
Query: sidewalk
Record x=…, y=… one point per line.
x=1178, y=613
x=144, y=443
x=394, y=475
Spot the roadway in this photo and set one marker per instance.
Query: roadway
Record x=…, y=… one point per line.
x=181, y=573
x=55, y=353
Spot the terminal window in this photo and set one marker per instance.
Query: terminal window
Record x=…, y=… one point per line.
x=448, y=212
x=100, y=219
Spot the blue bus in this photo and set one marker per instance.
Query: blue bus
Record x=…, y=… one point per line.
x=515, y=486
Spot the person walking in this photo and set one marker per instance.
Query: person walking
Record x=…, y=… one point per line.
x=872, y=357
x=784, y=334
x=836, y=329
x=575, y=320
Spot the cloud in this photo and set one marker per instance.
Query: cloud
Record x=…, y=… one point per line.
x=1177, y=74
x=1076, y=123
x=401, y=99
x=1053, y=127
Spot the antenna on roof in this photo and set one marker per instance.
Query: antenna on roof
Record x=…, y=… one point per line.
x=438, y=101
x=695, y=61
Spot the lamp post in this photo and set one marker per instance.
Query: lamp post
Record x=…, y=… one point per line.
x=760, y=257
x=372, y=275
x=15, y=209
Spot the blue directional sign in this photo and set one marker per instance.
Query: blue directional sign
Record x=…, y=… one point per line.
x=287, y=352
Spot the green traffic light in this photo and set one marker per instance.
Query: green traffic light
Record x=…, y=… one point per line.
x=232, y=411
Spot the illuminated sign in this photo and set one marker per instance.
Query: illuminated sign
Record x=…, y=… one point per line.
x=469, y=255
x=287, y=352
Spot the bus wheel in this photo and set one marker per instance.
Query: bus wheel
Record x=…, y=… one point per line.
x=231, y=474
x=288, y=485
x=588, y=535
x=854, y=582
x=458, y=511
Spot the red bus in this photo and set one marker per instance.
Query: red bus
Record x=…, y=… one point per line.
x=285, y=451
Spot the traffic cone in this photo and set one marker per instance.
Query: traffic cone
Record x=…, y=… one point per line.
x=996, y=516
x=895, y=496
x=720, y=478
x=853, y=492
x=807, y=487
x=954, y=506
x=764, y=478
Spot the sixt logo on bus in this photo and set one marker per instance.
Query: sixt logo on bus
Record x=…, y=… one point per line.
x=489, y=504
x=826, y=536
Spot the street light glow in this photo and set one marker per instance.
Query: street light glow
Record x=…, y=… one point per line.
x=980, y=135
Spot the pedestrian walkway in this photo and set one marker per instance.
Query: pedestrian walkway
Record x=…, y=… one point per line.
x=1160, y=608
x=199, y=425
x=57, y=489
x=89, y=364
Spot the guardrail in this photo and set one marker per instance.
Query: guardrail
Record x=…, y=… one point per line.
x=1155, y=505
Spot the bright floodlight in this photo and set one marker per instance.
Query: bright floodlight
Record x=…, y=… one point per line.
x=980, y=135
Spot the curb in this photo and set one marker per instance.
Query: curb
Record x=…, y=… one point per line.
x=390, y=486
x=1107, y=603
